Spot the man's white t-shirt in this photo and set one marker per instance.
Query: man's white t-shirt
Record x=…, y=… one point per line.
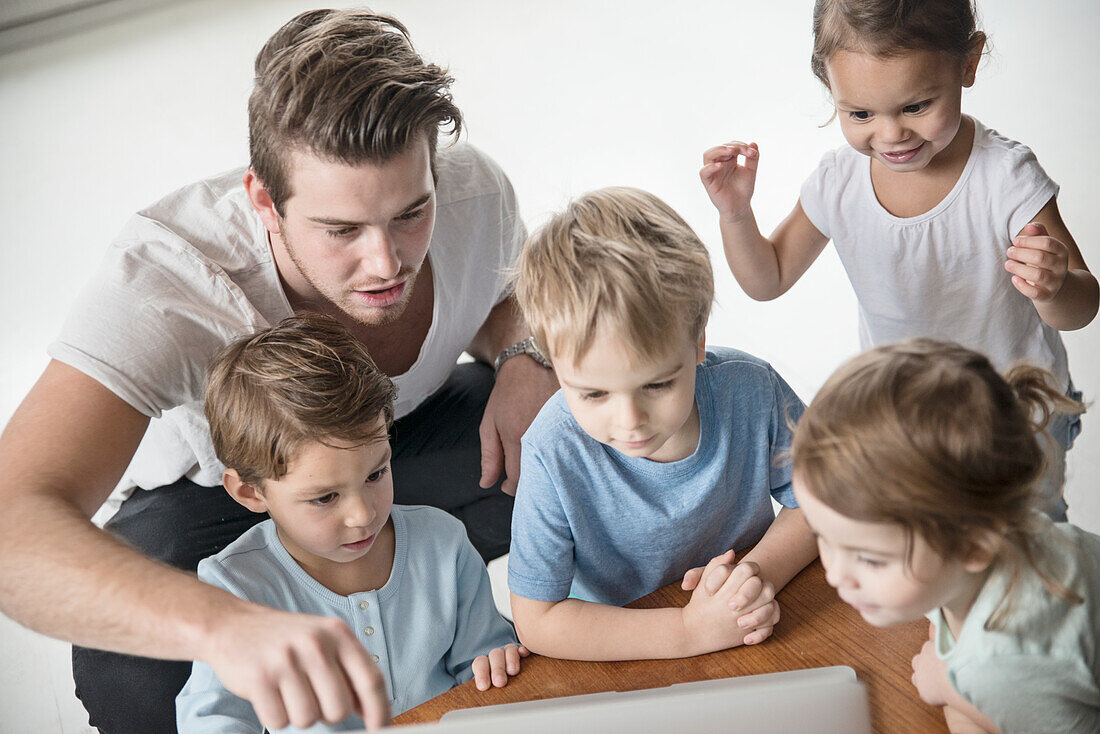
x=941, y=274
x=195, y=270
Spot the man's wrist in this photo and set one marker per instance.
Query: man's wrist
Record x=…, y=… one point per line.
x=524, y=346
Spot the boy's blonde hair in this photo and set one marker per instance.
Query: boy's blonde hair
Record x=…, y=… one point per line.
x=343, y=85
x=927, y=435
x=305, y=379
x=617, y=256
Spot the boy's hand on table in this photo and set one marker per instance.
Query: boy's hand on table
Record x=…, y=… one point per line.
x=494, y=669
x=729, y=185
x=718, y=602
x=298, y=669
x=754, y=597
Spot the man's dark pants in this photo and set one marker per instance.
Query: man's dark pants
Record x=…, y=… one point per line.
x=436, y=461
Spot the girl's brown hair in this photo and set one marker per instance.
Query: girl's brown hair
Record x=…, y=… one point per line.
x=888, y=27
x=927, y=435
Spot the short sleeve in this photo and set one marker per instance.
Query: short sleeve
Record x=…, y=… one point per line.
x=1029, y=190
x=478, y=625
x=814, y=191
x=1030, y=693
x=151, y=319
x=513, y=234
x=788, y=410
x=540, y=563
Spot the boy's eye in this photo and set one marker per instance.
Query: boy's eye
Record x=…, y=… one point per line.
x=339, y=232
x=658, y=386
x=871, y=562
x=860, y=115
x=912, y=109
x=375, y=476
x=594, y=395
x=326, y=499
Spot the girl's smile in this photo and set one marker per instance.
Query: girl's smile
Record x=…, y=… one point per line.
x=902, y=111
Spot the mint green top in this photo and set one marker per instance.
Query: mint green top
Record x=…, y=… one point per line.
x=1041, y=671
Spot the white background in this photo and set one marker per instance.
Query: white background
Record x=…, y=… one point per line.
x=567, y=96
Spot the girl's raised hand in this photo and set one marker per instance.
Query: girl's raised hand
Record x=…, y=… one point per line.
x=730, y=184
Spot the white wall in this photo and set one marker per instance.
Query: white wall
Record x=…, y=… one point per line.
x=567, y=96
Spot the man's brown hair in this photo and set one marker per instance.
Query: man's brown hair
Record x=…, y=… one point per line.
x=343, y=85
x=305, y=379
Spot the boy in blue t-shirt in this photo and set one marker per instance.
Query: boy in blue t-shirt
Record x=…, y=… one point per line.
x=300, y=415
x=656, y=455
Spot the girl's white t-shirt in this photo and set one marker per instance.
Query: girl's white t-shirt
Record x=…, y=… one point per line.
x=195, y=270
x=941, y=274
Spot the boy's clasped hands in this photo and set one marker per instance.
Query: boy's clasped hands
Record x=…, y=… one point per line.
x=730, y=604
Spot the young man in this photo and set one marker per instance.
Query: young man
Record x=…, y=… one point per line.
x=349, y=210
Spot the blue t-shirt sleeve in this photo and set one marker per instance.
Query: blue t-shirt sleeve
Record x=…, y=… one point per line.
x=478, y=625
x=205, y=706
x=788, y=408
x=541, y=562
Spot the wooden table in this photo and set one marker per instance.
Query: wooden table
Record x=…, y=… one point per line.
x=816, y=630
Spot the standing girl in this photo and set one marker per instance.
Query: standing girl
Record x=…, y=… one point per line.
x=927, y=207
x=916, y=467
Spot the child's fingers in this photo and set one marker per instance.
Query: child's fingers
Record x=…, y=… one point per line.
x=1030, y=290
x=715, y=576
x=1045, y=252
x=481, y=668
x=741, y=573
x=1034, y=229
x=717, y=571
x=1031, y=273
x=758, y=635
x=511, y=659
x=747, y=593
x=691, y=578
x=498, y=667
x=765, y=615
x=722, y=152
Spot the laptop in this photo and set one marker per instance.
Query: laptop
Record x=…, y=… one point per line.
x=822, y=700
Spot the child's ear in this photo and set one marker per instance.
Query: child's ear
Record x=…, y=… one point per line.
x=701, y=356
x=986, y=547
x=973, y=57
x=245, y=494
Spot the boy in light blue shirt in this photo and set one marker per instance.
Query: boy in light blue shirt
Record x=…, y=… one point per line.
x=657, y=455
x=299, y=413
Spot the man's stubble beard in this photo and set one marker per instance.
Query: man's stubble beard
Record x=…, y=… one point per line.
x=345, y=300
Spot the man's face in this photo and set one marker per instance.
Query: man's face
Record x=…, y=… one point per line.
x=356, y=236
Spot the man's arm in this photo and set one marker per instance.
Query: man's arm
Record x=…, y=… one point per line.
x=62, y=453
x=522, y=387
